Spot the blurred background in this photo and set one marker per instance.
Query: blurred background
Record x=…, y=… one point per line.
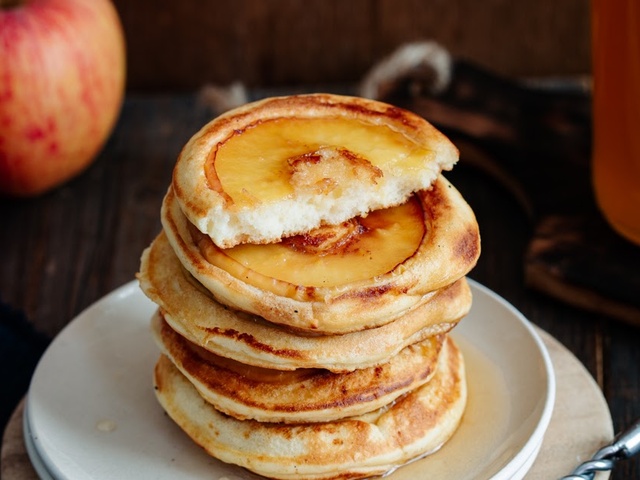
x=181, y=45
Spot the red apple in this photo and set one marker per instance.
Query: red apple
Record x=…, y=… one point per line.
x=62, y=74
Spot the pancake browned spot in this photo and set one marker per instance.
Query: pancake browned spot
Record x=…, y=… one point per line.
x=302, y=395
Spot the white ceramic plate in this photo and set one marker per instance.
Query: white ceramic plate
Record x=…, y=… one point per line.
x=92, y=414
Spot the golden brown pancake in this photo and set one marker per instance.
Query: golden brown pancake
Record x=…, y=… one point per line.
x=447, y=250
x=287, y=165
x=372, y=444
x=298, y=396
x=191, y=311
x=311, y=262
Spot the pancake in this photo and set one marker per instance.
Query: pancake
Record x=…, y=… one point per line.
x=311, y=263
x=447, y=250
x=287, y=165
x=298, y=396
x=190, y=310
x=373, y=444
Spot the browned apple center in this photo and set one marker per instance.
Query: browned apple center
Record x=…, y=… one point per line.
x=328, y=168
x=328, y=239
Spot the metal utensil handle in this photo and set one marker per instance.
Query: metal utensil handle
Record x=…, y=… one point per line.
x=625, y=445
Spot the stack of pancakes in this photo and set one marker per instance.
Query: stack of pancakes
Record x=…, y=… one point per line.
x=311, y=264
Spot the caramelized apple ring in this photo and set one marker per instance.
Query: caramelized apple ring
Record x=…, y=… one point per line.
x=447, y=251
x=286, y=165
x=191, y=311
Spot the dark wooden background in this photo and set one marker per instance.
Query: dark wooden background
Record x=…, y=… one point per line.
x=182, y=45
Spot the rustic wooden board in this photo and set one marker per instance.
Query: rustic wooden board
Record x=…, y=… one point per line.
x=580, y=260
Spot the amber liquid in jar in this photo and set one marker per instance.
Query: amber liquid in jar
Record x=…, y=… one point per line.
x=616, y=113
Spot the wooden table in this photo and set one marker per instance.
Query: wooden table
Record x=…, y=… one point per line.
x=65, y=250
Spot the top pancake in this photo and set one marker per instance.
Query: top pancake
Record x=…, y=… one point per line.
x=287, y=165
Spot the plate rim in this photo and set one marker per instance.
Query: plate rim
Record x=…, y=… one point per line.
x=528, y=453
x=514, y=466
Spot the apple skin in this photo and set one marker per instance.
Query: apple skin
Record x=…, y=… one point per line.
x=62, y=79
